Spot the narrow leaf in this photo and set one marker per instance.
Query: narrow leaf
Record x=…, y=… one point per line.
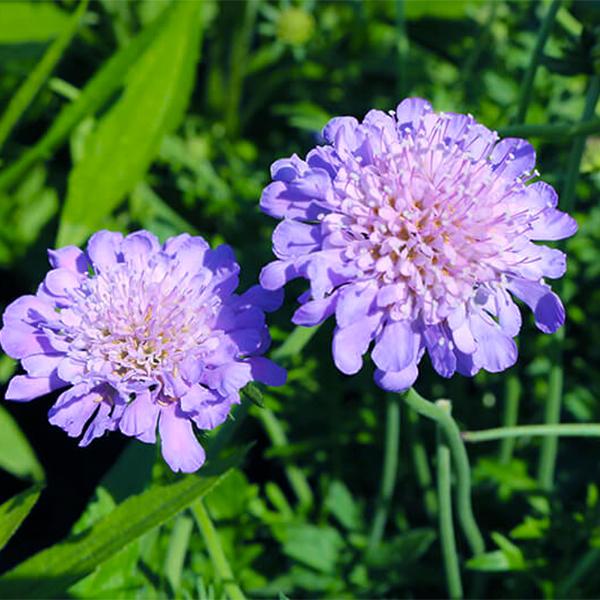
x=52, y=571
x=26, y=93
x=16, y=454
x=27, y=22
x=129, y=136
x=14, y=511
x=96, y=93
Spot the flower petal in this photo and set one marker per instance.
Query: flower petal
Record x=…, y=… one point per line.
x=180, y=448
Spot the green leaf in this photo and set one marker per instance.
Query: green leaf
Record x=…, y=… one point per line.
x=52, y=571
x=22, y=22
x=16, y=454
x=295, y=342
x=508, y=558
x=95, y=94
x=411, y=545
x=178, y=547
x=128, y=137
x=24, y=95
x=14, y=511
x=316, y=547
x=341, y=505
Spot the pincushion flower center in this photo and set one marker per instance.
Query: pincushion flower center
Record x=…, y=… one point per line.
x=426, y=226
x=140, y=323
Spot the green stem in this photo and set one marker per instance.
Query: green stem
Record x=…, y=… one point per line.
x=217, y=556
x=556, y=430
x=511, y=415
x=446, y=526
x=389, y=472
x=461, y=463
x=589, y=560
x=560, y=131
x=402, y=50
x=547, y=461
x=278, y=438
x=421, y=465
x=529, y=76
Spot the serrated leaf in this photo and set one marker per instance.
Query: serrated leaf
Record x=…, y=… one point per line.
x=16, y=454
x=22, y=22
x=14, y=511
x=127, y=139
x=52, y=571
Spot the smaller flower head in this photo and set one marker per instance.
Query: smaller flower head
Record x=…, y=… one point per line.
x=144, y=336
x=416, y=229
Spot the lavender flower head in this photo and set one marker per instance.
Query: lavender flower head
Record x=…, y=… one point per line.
x=417, y=229
x=145, y=334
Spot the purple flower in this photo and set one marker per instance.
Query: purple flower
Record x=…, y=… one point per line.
x=146, y=335
x=416, y=229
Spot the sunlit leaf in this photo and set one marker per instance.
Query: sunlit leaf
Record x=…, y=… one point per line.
x=128, y=137
x=22, y=21
x=14, y=511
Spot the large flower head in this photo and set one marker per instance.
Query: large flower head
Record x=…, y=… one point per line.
x=147, y=335
x=417, y=229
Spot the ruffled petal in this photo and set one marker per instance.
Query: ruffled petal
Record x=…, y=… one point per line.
x=397, y=346
x=23, y=388
x=397, y=381
x=350, y=343
x=140, y=415
x=180, y=448
x=104, y=249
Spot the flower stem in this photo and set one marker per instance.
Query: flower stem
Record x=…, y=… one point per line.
x=554, y=430
x=511, y=414
x=461, y=463
x=421, y=465
x=446, y=526
x=217, y=556
x=389, y=471
x=278, y=438
x=529, y=76
x=589, y=561
x=549, y=449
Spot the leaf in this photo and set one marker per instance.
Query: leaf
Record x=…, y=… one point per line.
x=16, y=454
x=316, y=547
x=411, y=546
x=295, y=342
x=341, y=505
x=128, y=137
x=96, y=93
x=52, y=571
x=508, y=558
x=24, y=95
x=14, y=511
x=22, y=22
x=178, y=547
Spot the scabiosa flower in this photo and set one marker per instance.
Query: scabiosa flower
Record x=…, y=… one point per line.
x=416, y=229
x=146, y=335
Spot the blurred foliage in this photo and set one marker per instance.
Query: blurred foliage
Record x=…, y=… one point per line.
x=166, y=115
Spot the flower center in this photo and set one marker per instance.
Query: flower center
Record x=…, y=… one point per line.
x=428, y=219
x=136, y=323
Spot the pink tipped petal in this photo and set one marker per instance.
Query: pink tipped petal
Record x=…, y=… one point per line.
x=23, y=388
x=180, y=448
x=69, y=257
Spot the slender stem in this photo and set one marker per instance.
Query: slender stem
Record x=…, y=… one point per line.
x=421, y=465
x=402, y=50
x=561, y=131
x=549, y=448
x=461, y=463
x=446, y=526
x=217, y=556
x=278, y=438
x=557, y=430
x=589, y=560
x=389, y=471
x=511, y=415
x=529, y=76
